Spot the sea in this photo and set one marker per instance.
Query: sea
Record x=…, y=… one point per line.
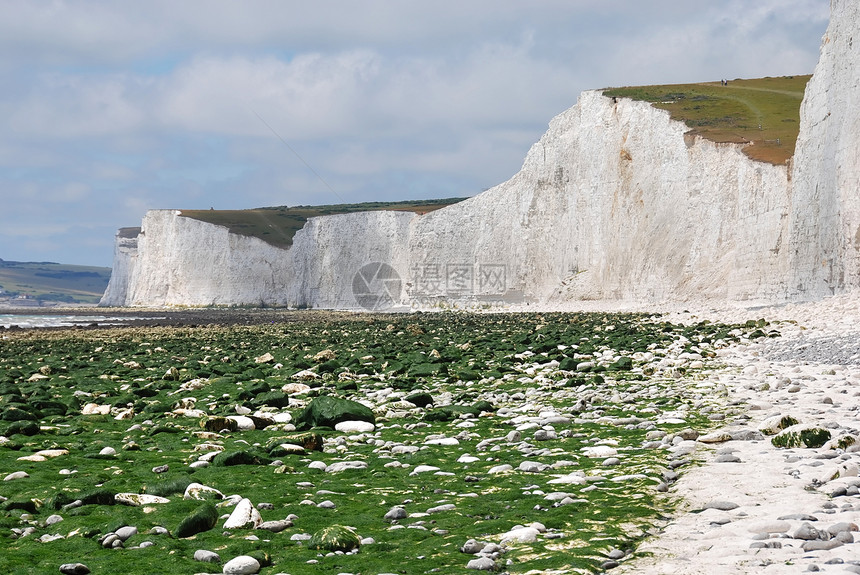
x=27, y=321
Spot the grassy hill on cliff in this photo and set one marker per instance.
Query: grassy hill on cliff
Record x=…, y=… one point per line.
x=764, y=113
x=278, y=225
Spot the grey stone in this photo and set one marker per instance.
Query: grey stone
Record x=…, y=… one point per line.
x=798, y=517
x=721, y=505
x=533, y=466
x=808, y=533
x=207, y=556
x=472, y=547
x=481, y=564
x=728, y=458
x=844, y=537
x=544, y=435
x=275, y=526
x=747, y=435
x=840, y=527
x=345, y=465
x=395, y=513
x=125, y=532
x=821, y=545
x=241, y=565
x=766, y=545
x=74, y=569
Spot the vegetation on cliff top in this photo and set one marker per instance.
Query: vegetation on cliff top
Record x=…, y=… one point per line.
x=764, y=113
x=277, y=225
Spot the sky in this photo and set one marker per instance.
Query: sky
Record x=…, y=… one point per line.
x=109, y=109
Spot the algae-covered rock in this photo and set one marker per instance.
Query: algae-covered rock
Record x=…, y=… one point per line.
x=272, y=399
x=240, y=458
x=99, y=496
x=328, y=411
x=421, y=399
x=168, y=487
x=202, y=519
x=801, y=436
x=28, y=428
x=216, y=424
x=426, y=369
x=451, y=412
x=201, y=492
x=777, y=423
x=15, y=414
x=335, y=538
x=622, y=364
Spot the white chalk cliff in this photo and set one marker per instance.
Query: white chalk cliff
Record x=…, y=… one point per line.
x=615, y=201
x=825, y=205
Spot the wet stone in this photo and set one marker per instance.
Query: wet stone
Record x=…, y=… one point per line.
x=74, y=569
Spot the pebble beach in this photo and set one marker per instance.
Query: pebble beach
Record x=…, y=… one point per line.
x=751, y=507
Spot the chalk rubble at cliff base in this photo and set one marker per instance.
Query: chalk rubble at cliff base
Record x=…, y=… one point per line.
x=756, y=508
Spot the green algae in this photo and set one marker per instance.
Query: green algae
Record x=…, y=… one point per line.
x=480, y=353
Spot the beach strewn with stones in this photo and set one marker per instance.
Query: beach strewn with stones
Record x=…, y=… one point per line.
x=435, y=443
x=515, y=442
x=788, y=502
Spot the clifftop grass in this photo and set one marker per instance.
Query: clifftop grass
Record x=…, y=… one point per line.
x=277, y=225
x=764, y=113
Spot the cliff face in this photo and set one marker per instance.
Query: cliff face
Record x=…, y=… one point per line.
x=182, y=261
x=176, y=260
x=825, y=208
x=615, y=201
x=124, y=261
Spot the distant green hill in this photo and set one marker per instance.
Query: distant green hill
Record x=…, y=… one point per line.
x=278, y=225
x=764, y=112
x=48, y=281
